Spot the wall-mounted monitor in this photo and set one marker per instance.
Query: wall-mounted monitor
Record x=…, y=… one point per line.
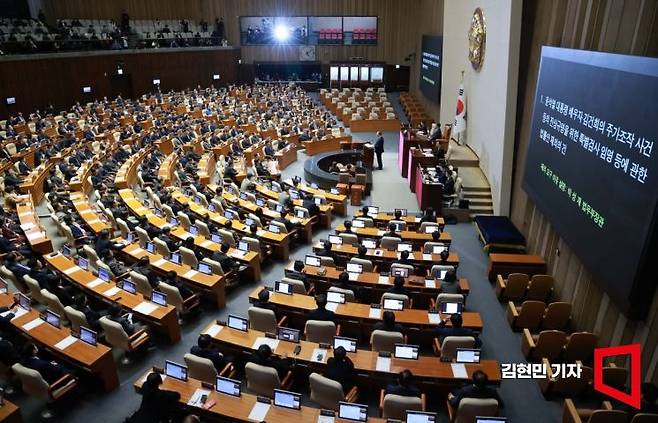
x=377, y=74
x=10, y=100
x=215, y=77
x=429, y=78
x=156, y=82
x=86, y=89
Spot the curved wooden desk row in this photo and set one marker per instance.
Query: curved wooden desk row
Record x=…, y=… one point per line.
x=427, y=369
x=167, y=169
x=235, y=409
x=96, y=221
x=325, y=210
x=422, y=291
x=374, y=125
x=280, y=242
x=251, y=259
x=96, y=360
x=31, y=226
x=418, y=239
x=206, y=168
x=324, y=145
x=382, y=219
x=125, y=176
x=286, y=156
x=358, y=320
x=417, y=257
x=339, y=201
x=163, y=319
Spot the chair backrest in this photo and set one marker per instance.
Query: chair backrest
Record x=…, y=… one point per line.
x=262, y=319
x=450, y=298
x=557, y=316
x=184, y=219
x=360, y=179
x=227, y=237
x=254, y=245
x=200, y=368
x=142, y=283
x=173, y=296
x=549, y=344
x=367, y=264
x=320, y=331
x=517, y=283
x=470, y=408
x=608, y=416
x=281, y=226
x=168, y=211
x=393, y=296
x=540, y=287
x=203, y=228
x=301, y=209
x=91, y=254
x=382, y=340
x=76, y=317
x=401, y=225
x=327, y=261
x=161, y=247
x=188, y=257
x=367, y=221
x=52, y=302
x=350, y=239
x=580, y=346
x=349, y=294
x=256, y=220
x=566, y=386
x=615, y=376
x=114, y=334
x=409, y=267
x=396, y=406
x=261, y=380
x=10, y=277
x=215, y=266
x=297, y=285
x=645, y=418
x=438, y=268
x=325, y=392
x=531, y=315
x=35, y=289
x=390, y=242
x=428, y=225
x=451, y=343
x=143, y=236
x=32, y=382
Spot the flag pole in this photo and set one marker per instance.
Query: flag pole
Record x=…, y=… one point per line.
x=459, y=134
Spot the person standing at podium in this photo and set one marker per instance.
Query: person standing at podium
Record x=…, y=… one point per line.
x=379, y=149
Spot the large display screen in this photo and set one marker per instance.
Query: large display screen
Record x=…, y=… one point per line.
x=312, y=30
x=430, y=67
x=591, y=164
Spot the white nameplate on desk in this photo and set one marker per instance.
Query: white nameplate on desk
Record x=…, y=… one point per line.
x=32, y=324
x=427, y=257
x=85, y=211
x=145, y=307
x=239, y=254
x=430, y=283
x=69, y=340
x=214, y=330
x=380, y=233
x=353, y=276
x=383, y=279
x=326, y=419
x=207, y=243
x=272, y=343
x=24, y=214
x=332, y=306
x=138, y=250
x=260, y=232
x=140, y=210
x=18, y=313
x=259, y=411
x=459, y=370
x=383, y=364
x=417, y=219
x=190, y=274
x=112, y=291
x=160, y=262
x=319, y=355
x=94, y=283
x=434, y=318
x=195, y=400
x=34, y=235
x=375, y=313
x=27, y=226
x=71, y=270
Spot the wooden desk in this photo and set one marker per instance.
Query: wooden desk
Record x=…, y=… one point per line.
x=167, y=169
x=418, y=239
x=10, y=413
x=234, y=409
x=418, y=157
x=428, y=194
x=355, y=318
x=213, y=286
x=382, y=220
x=374, y=125
x=405, y=143
x=206, y=168
x=286, y=156
x=95, y=221
x=33, y=182
x=34, y=232
x=325, y=145
x=339, y=201
x=427, y=369
x=251, y=259
x=504, y=264
x=163, y=319
x=97, y=360
x=125, y=176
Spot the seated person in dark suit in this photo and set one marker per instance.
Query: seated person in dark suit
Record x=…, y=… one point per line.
x=456, y=330
x=298, y=273
x=103, y=243
x=264, y=301
x=309, y=204
x=326, y=250
x=428, y=216
x=263, y=356
x=189, y=244
x=398, y=286
x=157, y=405
x=344, y=283
x=404, y=385
x=49, y=370
x=93, y=316
x=450, y=283
x=478, y=389
x=116, y=314
x=388, y=323
x=221, y=256
x=17, y=268
x=171, y=279
x=166, y=237
x=143, y=267
x=391, y=231
x=341, y=369
x=321, y=313
x=404, y=258
x=204, y=349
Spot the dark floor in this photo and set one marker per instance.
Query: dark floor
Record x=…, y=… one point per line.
x=523, y=400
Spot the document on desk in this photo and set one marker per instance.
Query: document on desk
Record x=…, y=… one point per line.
x=375, y=313
x=459, y=370
x=34, y=235
x=18, y=312
x=319, y=355
x=71, y=270
x=159, y=262
x=239, y=254
x=383, y=279
x=195, y=400
x=260, y=232
x=427, y=257
x=190, y=274
x=213, y=330
x=207, y=243
x=137, y=250
x=27, y=226
x=383, y=364
x=332, y=306
x=95, y=283
x=326, y=419
x=259, y=411
x=380, y=233
x=145, y=307
x=353, y=276
x=69, y=340
x=112, y=291
x=411, y=256
x=434, y=318
x=430, y=283
x=32, y=324
x=272, y=343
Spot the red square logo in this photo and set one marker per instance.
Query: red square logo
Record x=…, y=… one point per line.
x=632, y=399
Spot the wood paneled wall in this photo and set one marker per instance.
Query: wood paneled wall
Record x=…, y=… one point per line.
x=397, y=21
x=619, y=26
x=59, y=80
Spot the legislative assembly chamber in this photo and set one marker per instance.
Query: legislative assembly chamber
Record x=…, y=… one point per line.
x=386, y=211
